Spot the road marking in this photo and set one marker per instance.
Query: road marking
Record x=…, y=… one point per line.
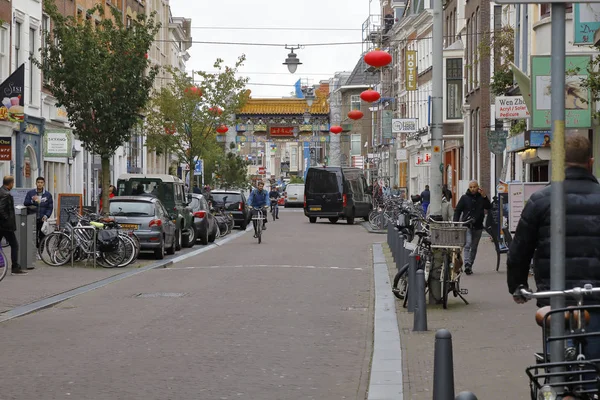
x=258, y=266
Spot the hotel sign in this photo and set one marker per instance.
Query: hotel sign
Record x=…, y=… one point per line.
x=411, y=70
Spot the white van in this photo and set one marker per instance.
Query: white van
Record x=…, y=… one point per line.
x=294, y=194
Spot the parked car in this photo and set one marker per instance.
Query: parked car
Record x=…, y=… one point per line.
x=150, y=221
x=234, y=202
x=170, y=190
x=204, y=222
x=294, y=194
x=336, y=192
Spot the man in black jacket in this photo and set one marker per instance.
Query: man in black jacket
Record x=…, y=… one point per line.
x=582, y=235
x=472, y=206
x=8, y=223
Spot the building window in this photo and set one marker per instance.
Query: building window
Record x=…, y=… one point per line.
x=545, y=9
x=3, y=53
x=454, y=88
x=476, y=49
x=355, y=140
x=17, y=44
x=129, y=21
x=32, y=33
x=355, y=102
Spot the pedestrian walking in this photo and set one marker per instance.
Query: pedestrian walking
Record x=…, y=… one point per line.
x=111, y=194
x=472, y=206
x=425, y=198
x=8, y=223
x=582, y=236
x=40, y=201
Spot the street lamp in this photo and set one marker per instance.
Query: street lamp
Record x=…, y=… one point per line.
x=292, y=61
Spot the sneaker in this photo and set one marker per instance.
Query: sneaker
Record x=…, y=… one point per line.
x=255, y=236
x=19, y=272
x=468, y=269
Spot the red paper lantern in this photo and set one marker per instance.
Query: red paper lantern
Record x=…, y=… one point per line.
x=216, y=110
x=170, y=129
x=194, y=90
x=355, y=114
x=222, y=129
x=378, y=58
x=370, y=95
x=335, y=129
x=146, y=55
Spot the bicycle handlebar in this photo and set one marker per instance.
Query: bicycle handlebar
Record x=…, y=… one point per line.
x=576, y=292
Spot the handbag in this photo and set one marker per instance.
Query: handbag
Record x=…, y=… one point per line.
x=45, y=228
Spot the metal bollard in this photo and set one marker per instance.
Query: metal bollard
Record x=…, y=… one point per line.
x=394, y=237
x=443, y=367
x=412, y=282
x=389, y=236
x=400, y=250
x=465, y=396
x=420, y=314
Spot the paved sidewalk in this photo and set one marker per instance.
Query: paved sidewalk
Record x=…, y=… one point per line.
x=493, y=338
x=45, y=281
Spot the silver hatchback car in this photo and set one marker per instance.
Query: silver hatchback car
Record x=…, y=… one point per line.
x=149, y=220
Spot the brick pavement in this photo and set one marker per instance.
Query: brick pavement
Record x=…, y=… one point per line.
x=493, y=338
x=45, y=281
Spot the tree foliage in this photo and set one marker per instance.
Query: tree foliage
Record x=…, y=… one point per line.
x=183, y=117
x=232, y=172
x=100, y=73
x=502, y=42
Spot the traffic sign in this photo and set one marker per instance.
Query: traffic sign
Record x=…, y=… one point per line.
x=199, y=169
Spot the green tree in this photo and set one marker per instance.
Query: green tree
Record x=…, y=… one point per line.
x=101, y=74
x=233, y=171
x=184, y=116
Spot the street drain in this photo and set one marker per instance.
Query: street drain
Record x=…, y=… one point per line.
x=355, y=308
x=160, y=294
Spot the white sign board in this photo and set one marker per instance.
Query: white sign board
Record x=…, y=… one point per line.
x=511, y=107
x=404, y=125
x=518, y=194
x=401, y=154
x=423, y=159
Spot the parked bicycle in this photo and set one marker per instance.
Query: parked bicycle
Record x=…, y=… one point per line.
x=3, y=265
x=576, y=377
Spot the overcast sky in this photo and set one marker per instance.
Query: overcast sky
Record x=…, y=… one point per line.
x=264, y=64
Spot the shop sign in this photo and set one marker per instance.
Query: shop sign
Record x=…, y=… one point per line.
x=539, y=139
x=404, y=125
x=511, y=107
x=497, y=141
x=57, y=143
x=586, y=21
x=578, y=110
x=411, y=70
x=401, y=154
x=422, y=159
x=5, y=149
x=12, y=94
x=281, y=131
x=516, y=142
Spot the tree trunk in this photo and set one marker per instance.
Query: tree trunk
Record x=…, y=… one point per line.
x=105, y=184
x=192, y=167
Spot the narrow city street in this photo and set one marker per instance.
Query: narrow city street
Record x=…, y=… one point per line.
x=290, y=318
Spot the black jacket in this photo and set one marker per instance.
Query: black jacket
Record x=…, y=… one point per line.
x=7, y=211
x=425, y=196
x=582, y=236
x=472, y=206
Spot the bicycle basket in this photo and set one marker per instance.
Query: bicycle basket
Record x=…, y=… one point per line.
x=447, y=235
x=108, y=240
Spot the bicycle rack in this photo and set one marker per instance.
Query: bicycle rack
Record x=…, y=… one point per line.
x=94, y=238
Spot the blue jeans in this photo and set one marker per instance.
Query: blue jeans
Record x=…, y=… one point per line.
x=425, y=207
x=470, y=251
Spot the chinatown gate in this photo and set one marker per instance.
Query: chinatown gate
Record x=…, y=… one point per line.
x=284, y=137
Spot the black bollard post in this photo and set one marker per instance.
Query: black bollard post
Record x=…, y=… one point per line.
x=389, y=236
x=466, y=396
x=420, y=314
x=395, y=243
x=400, y=250
x=412, y=282
x=443, y=366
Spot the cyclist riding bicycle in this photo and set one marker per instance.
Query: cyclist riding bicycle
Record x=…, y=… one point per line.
x=273, y=197
x=259, y=198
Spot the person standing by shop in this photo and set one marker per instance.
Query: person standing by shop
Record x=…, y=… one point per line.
x=39, y=201
x=8, y=223
x=425, y=198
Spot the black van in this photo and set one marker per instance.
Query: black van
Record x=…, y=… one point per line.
x=336, y=192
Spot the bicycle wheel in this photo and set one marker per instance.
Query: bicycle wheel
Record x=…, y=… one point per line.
x=259, y=225
x=3, y=265
x=273, y=212
x=55, y=249
x=444, y=280
x=130, y=250
x=400, y=286
x=113, y=259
